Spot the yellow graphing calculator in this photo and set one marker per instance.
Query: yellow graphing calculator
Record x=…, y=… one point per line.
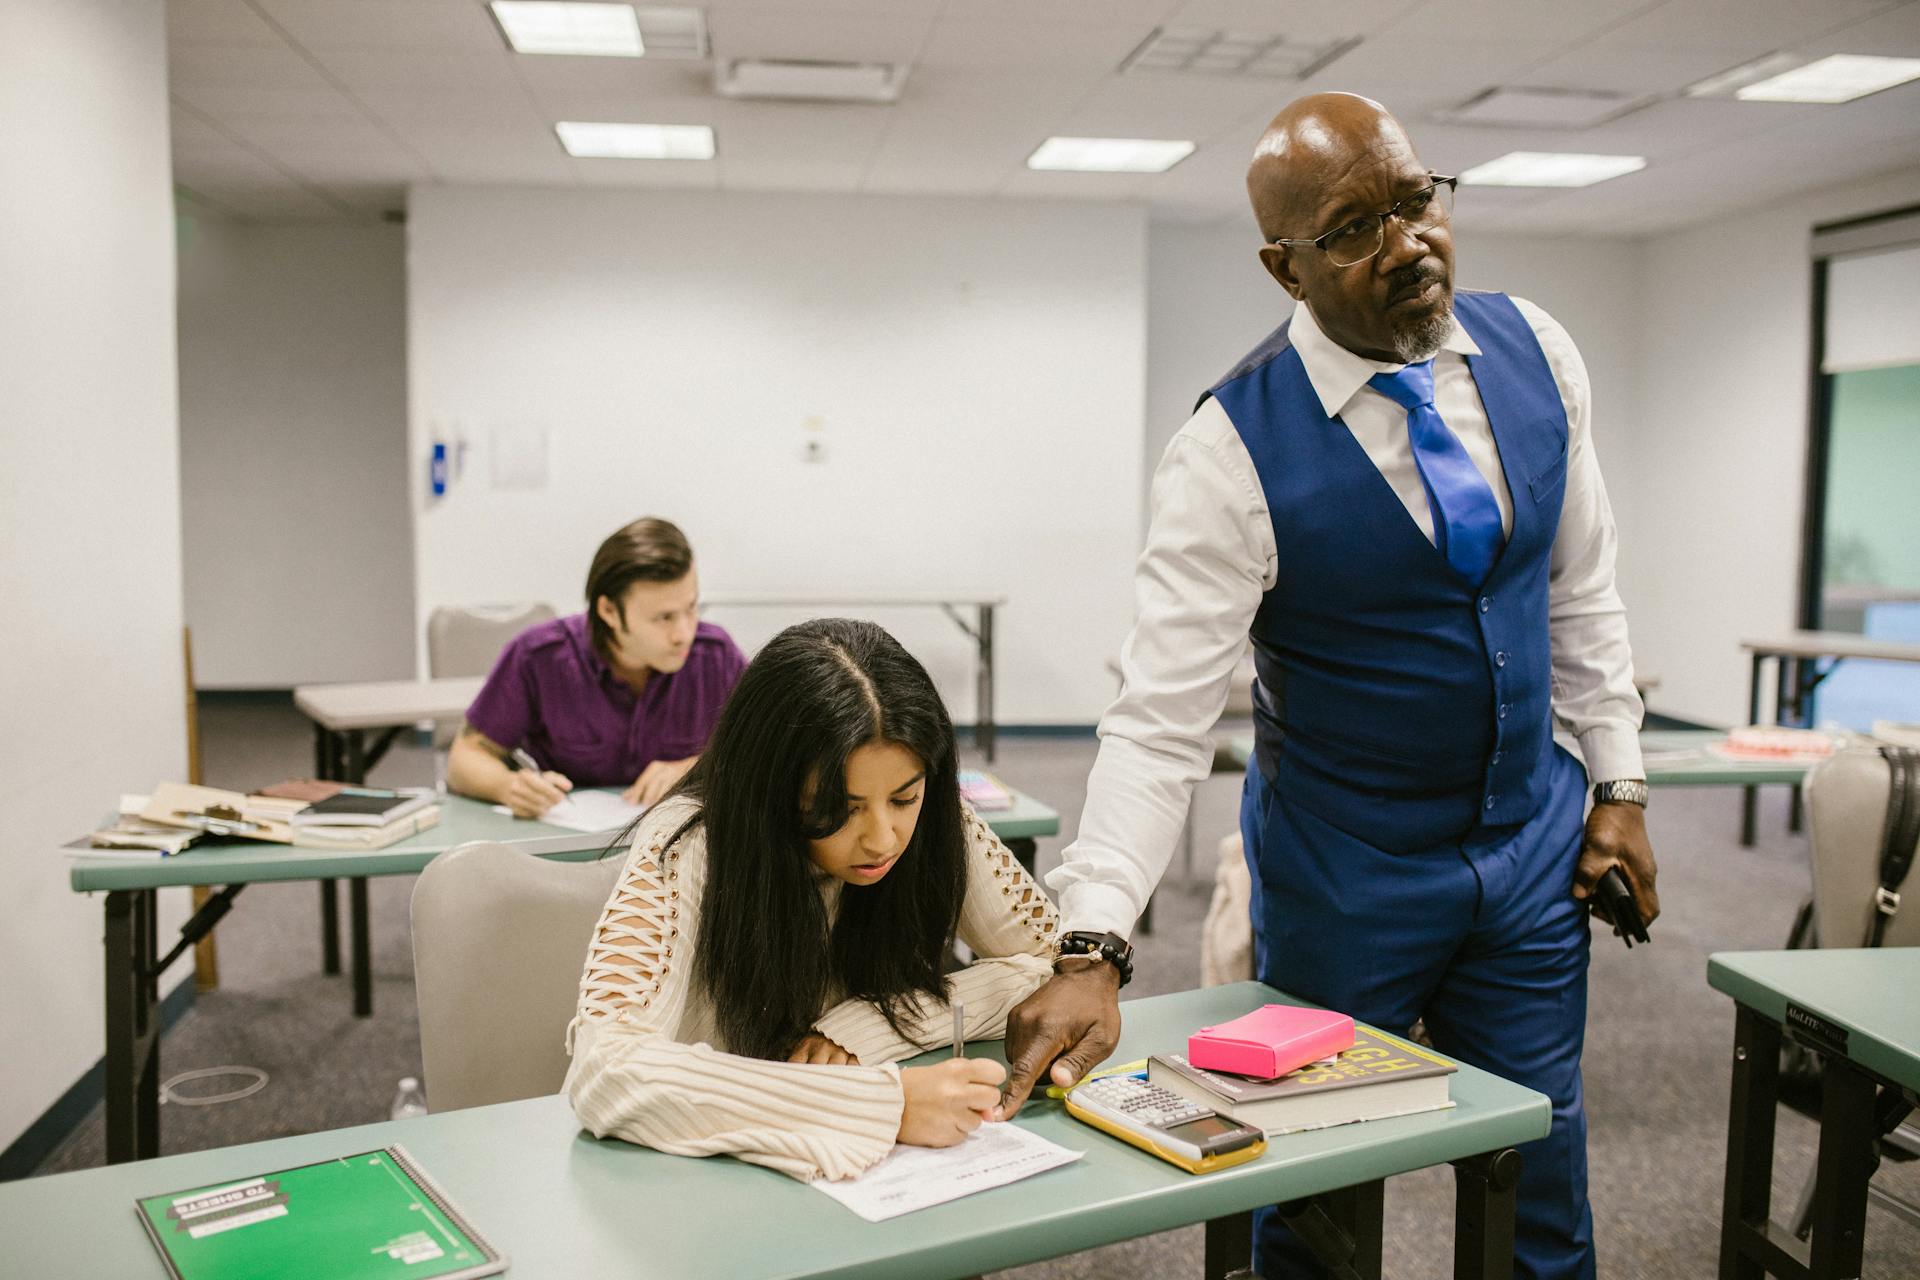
x=1198, y=1139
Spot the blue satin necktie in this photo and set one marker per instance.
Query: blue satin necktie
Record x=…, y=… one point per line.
x=1466, y=519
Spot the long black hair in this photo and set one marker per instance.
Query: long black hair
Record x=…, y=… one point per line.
x=774, y=776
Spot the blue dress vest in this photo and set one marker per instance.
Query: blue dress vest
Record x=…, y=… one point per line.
x=1396, y=701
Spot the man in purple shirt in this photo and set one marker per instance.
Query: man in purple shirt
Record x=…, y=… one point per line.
x=623, y=695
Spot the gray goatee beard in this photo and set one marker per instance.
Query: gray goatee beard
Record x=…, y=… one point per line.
x=1422, y=339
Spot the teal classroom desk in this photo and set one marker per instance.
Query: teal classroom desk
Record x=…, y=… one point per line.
x=133, y=964
x=558, y=1203
x=1859, y=1009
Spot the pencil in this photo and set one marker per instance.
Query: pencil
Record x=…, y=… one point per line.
x=959, y=1030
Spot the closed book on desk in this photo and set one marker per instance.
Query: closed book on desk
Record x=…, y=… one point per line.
x=1380, y=1076
x=363, y=807
x=362, y=1217
x=366, y=837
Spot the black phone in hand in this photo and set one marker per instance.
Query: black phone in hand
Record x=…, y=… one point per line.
x=1613, y=900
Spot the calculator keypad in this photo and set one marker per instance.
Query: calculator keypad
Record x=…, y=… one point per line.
x=1146, y=1104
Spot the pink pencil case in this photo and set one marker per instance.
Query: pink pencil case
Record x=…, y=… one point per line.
x=1271, y=1041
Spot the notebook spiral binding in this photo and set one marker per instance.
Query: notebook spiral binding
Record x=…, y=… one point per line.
x=490, y=1255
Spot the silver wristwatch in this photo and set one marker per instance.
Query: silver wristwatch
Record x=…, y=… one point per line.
x=1621, y=791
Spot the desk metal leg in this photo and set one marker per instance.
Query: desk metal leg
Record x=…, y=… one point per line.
x=1750, y=796
x=1845, y=1165
x=1229, y=1246
x=329, y=927
x=1484, y=1196
x=133, y=1032
x=984, y=728
x=1746, y=1205
x=1344, y=1230
x=1024, y=851
x=326, y=766
x=354, y=771
x=362, y=949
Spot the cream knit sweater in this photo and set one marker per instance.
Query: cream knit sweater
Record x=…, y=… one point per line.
x=645, y=1065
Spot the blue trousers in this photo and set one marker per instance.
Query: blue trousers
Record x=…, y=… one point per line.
x=1481, y=939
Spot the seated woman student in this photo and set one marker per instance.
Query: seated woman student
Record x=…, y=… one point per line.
x=623, y=695
x=777, y=937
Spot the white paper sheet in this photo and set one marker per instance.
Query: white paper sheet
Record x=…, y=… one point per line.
x=588, y=811
x=916, y=1177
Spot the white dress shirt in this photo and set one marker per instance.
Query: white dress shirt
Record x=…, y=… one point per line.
x=1210, y=556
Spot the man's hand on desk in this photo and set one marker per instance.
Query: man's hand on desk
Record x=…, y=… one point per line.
x=531, y=794
x=656, y=780
x=1617, y=836
x=1071, y=1025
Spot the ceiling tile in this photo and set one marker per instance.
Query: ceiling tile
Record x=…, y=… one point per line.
x=230, y=22
x=828, y=36
x=275, y=66
x=1052, y=47
x=422, y=69
x=450, y=25
x=1743, y=28
x=1304, y=22
x=659, y=174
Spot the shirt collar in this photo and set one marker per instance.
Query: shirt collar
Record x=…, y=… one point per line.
x=1336, y=373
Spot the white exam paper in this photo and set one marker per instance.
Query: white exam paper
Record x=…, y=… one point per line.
x=588, y=811
x=912, y=1178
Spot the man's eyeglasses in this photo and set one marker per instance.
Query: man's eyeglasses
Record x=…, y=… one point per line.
x=1358, y=239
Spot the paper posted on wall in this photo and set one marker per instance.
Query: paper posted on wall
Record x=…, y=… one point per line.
x=912, y=1178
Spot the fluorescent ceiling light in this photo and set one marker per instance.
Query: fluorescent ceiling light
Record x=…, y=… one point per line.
x=1549, y=169
x=1840, y=78
x=1109, y=155
x=1746, y=73
x=597, y=140
x=551, y=26
x=808, y=81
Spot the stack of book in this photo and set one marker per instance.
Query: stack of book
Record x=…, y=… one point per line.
x=983, y=791
x=305, y=814
x=1380, y=1076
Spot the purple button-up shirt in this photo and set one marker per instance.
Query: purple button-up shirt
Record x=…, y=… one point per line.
x=552, y=693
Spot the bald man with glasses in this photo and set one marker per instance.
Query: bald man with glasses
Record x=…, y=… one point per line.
x=1395, y=495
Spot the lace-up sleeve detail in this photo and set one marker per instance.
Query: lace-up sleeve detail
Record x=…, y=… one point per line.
x=633, y=1077
x=633, y=946
x=1008, y=923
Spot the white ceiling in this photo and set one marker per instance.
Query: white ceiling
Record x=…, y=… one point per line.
x=328, y=109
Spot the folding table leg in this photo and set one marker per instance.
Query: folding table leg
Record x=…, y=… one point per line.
x=1483, y=1208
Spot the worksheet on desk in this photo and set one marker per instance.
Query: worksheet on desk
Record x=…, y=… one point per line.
x=590, y=811
x=912, y=1178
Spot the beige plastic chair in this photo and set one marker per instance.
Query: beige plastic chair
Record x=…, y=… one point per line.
x=1846, y=822
x=465, y=641
x=499, y=942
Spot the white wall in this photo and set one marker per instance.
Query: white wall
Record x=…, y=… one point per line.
x=1721, y=447
x=89, y=522
x=977, y=369
x=298, y=535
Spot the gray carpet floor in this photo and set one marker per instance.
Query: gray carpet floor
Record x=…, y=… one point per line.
x=1657, y=1054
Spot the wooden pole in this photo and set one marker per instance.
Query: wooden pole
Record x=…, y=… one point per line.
x=206, y=956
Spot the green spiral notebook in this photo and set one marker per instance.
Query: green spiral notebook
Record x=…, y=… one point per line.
x=361, y=1217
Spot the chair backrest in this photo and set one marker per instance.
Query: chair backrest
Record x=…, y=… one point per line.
x=465, y=641
x=1846, y=823
x=500, y=939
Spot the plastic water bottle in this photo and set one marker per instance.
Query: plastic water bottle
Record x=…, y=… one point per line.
x=409, y=1101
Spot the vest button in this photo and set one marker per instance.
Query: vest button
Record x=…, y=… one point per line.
x=1496, y=757
x=1500, y=658
x=1503, y=711
x=1490, y=800
x=1486, y=603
